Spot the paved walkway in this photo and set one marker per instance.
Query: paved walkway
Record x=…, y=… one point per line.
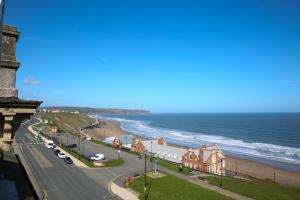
x=204, y=184
x=123, y=192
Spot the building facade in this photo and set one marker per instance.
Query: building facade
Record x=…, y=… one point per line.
x=137, y=146
x=12, y=109
x=207, y=159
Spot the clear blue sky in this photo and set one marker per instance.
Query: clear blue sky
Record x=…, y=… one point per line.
x=164, y=56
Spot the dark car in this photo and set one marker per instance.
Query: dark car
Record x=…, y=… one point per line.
x=68, y=160
x=71, y=146
x=56, y=151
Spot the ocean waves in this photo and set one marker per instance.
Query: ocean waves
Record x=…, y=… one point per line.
x=229, y=145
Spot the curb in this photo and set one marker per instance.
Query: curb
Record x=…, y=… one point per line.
x=121, y=192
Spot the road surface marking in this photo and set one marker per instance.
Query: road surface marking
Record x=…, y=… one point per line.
x=40, y=158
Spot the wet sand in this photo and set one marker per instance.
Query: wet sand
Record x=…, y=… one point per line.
x=244, y=167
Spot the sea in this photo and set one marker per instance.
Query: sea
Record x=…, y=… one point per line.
x=271, y=138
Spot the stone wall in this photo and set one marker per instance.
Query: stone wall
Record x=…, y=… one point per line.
x=9, y=65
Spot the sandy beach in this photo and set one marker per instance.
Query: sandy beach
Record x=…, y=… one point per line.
x=261, y=171
x=244, y=167
x=106, y=129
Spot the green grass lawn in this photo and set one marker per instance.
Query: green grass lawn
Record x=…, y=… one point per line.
x=171, y=187
x=257, y=189
x=173, y=167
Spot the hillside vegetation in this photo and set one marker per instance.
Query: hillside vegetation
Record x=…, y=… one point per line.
x=67, y=122
x=89, y=110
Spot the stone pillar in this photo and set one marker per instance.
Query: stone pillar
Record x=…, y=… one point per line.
x=9, y=65
x=7, y=128
x=12, y=109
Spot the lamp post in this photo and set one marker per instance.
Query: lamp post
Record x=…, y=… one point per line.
x=145, y=187
x=79, y=141
x=83, y=145
x=151, y=148
x=221, y=184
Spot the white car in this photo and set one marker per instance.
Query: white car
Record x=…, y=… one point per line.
x=49, y=144
x=37, y=137
x=97, y=157
x=61, y=155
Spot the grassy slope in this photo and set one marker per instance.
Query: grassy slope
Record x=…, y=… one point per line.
x=257, y=189
x=170, y=187
x=68, y=122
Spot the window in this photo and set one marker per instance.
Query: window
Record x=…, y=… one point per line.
x=191, y=156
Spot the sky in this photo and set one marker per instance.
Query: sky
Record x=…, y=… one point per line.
x=162, y=56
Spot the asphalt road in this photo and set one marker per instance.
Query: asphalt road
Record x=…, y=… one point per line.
x=132, y=162
x=62, y=181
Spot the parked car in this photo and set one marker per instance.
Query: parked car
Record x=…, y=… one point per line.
x=71, y=146
x=68, y=160
x=37, y=137
x=97, y=157
x=61, y=155
x=56, y=151
x=49, y=144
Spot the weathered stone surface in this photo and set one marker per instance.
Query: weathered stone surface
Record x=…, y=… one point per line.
x=12, y=109
x=9, y=65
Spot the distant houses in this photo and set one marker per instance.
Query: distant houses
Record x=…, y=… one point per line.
x=208, y=159
x=56, y=110
x=119, y=142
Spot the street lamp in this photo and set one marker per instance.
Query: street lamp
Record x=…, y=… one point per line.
x=119, y=152
x=221, y=184
x=145, y=187
x=83, y=139
x=151, y=148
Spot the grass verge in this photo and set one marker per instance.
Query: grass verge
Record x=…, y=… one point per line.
x=256, y=189
x=174, y=167
x=171, y=187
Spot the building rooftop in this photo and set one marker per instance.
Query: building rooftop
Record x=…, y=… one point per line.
x=166, y=152
x=12, y=102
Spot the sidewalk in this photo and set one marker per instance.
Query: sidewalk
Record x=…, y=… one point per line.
x=123, y=193
x=204, y=184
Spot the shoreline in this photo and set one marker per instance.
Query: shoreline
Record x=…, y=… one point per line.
x=244, y=167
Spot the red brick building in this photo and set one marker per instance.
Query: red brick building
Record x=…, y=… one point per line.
x=137, y=146
x=207, y=159
x=162, y=141
x=117, y=143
